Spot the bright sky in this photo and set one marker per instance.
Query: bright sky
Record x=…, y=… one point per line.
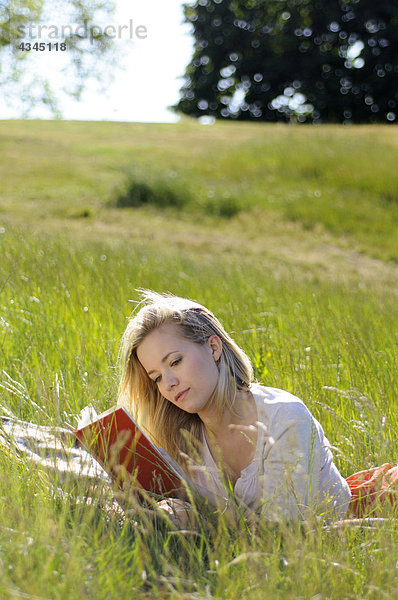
x=148, y=81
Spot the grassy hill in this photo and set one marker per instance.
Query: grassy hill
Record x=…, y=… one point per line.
x=330, y=180
x=289, y=234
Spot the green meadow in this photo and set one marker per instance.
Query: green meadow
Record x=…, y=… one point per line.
x=290, y=235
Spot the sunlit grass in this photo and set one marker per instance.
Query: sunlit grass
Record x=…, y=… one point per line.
x=282, y=272
x=64, y=303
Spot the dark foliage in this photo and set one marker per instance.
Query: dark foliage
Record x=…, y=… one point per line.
x=300, y=60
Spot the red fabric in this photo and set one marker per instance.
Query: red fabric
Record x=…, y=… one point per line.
x=372, y=489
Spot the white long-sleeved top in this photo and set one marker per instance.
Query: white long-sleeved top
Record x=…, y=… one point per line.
x=292, y=470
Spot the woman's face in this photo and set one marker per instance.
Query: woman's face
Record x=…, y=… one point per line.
x=185, y=373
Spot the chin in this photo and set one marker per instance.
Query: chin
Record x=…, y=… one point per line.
x=187, y=409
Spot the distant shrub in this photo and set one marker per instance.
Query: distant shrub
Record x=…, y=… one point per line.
x=84, y=213
x=390, y=197
x=157, y=193
x=224, y=207
x=168, y=191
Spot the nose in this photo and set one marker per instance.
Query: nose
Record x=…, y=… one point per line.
x=171, y=381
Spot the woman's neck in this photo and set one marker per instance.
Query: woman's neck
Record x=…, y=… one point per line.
x=232, y=436
x=243, y=412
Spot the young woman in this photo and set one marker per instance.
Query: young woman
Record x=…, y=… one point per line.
x=244, y=445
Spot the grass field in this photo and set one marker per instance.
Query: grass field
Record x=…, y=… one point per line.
x=289, y=234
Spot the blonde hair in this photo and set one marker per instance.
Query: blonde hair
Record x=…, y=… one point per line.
x=166, y=424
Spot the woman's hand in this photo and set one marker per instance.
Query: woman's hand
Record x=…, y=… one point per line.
x=180, y=513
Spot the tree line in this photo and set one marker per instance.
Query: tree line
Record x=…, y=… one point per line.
x=302, y=60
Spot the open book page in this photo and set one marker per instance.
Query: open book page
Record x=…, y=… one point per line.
x=87, y=415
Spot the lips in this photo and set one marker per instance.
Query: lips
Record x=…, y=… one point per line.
x=181, y=395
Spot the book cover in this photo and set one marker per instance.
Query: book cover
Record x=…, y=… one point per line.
x=123, y=450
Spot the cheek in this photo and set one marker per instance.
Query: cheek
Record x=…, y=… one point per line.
x=214, y=368
x=210, y=370
x=202, y=367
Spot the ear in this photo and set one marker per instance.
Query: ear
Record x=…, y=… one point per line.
x=215, y=345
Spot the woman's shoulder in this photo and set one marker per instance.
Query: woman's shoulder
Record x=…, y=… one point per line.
x=272, y=402
x=272, y=395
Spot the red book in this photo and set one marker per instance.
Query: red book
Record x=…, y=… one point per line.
x=122, y=449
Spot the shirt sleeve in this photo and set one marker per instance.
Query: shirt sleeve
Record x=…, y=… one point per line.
x=289, y=479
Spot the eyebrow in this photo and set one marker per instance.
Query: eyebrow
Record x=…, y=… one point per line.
x=163, y=361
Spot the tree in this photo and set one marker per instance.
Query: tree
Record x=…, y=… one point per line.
x=301, y=60
x=26, y=26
